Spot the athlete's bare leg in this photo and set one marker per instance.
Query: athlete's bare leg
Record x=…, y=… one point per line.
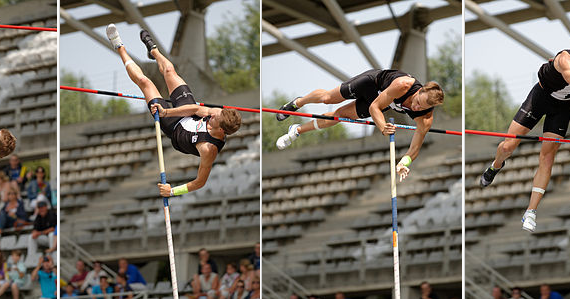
x=508, y=146
x=138, y=77
x=544, y=171
x=167, y=70
x=322, y=96
x=346, y=111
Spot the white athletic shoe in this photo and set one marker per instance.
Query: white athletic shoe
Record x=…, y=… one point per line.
x=113, y=36
x=286, y=140
x=529, y=220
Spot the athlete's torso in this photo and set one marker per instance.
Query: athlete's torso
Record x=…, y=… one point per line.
x=552, y=81
x=191, y=131
x=386, y=77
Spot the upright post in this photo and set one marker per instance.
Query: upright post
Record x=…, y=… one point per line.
x=394, y=215
x=166, y=208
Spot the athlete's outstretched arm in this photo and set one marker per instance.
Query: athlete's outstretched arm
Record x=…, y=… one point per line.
x=564, y=66
x=397, y=88
x=423, y=124
x=185, y=110
x=208, y=153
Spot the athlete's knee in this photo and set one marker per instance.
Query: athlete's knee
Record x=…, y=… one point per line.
x=509, y=145
x=143, y=82
x=169, y=69
x=546, y=158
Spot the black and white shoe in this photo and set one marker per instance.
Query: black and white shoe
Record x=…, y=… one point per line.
x=287, y=107
x=148, y=42
x=489, y=175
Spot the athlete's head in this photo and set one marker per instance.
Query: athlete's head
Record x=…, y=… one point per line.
x=430, y=95
x=7, y=143
x=229, y=120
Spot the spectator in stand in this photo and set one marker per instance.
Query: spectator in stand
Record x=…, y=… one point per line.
x=13, y=213
x=516, y=293
x=5, y=185
x=227, y=281
x=426, y=291
x=92, y=278
x=123, y=287
x=53, y=248
x=254, y=258
x=313, y=297
x=241, y=292
x=3, y=275
x=44, y=227
x=497, y=293
x=294, y=296
x=206, y=284
x=44, y=272
x=38, y=189
x=246, y=273
x=69, y=291
x=16, y=277
x=204, y=257
x=103, y=288
x=339, y=295
x=16, y=172
x=78, y=278
x=255, y=292
x=134, y=278
x=547, y=293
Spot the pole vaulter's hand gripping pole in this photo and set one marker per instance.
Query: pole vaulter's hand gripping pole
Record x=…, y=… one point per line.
x=166, y=208
x=340, y=119
x=28, y=28
x=394, y=214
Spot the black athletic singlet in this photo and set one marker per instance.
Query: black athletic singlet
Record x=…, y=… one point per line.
x=552, y=81
x=186, y=132
x=366, y=87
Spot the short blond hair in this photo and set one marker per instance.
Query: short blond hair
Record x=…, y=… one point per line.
x=7, y=143
x=435, y=93
x=230, y=121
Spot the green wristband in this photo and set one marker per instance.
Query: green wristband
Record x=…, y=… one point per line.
x=179, y=190
x=406, y=161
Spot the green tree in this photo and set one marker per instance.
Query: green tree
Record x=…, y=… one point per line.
x=487, y=104
x=445, y=68
x=233, y=51
x=272, y=129
x=10, y=2
x=78, y=107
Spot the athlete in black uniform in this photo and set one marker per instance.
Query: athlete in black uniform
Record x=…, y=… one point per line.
x=375, y=91
x=193, y=129
x=550, y=97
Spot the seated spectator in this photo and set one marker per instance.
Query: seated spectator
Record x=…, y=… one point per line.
x=16, y=274
x=38, y=189
x=44, y=227
x=254, y=258
x=241, y=292
x=255, y=292
x=69, y=291
x=16, y=171
x=294, y=296
x=53, y=248
x=5, y=185
x=206, y=284
x=13, y=213
x=44, y=272
x=246, y=273
x=547, y=293
x=92, y=278
x=134, y=277
x=204, y=257
x=227, y=281
x=78, y=278
x=426, y=291
x=497, y=293
x=516, y=293
x=123, y=287
x=103, y=288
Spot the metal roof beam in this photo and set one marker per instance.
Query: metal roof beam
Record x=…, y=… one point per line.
x=292, y=45
x=348, y=29
x=557, y=11
x=306, y=11
x=497, y=23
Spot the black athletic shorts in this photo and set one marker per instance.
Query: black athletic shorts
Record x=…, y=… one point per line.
x=539, y=103
x=363, y=88
x=181, y=96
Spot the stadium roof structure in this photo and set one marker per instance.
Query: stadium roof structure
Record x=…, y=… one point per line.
x=535, y=9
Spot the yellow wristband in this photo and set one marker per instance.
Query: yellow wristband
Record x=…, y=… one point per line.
x=406, y=161
x=179, y=190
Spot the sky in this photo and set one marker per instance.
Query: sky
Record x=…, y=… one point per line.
x=294, y=75
x=102, y=67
